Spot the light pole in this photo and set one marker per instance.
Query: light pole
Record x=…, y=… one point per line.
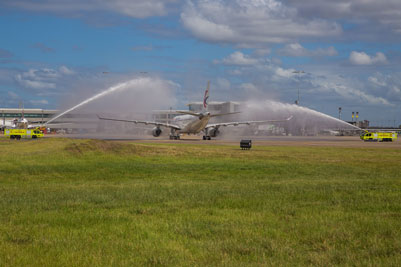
x=298, y=72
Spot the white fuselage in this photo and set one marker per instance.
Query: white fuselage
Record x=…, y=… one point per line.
x=192, y=124
x=16, y=123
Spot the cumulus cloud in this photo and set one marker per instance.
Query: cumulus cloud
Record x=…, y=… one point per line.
x=262, y=51
x=37, y=79
x=377, y=81
x=251, y=23
x=297, y=50
x=237, y=58
x=42, y=79
x=27, y=83
x=349, y=92
x=384, y=12
x=268, y=77
x=361, y=58
x=132, y=8
x=283, y=73
x=39, y=102
x=66, y=71
x=388, y=85
x=345, y=87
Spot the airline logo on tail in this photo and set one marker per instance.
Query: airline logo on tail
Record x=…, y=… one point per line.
x=206, y=97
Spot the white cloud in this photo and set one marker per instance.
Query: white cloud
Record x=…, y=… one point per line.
x=138, y=9
x=39, y=102
x=262, y=51
x=361, y=58
x=251, y=23
x=330, y=51
x=284, y=73
x=297, y=50
x=386, y=13
x=235, y=72
x=377, y=82
x=353, y=93
x=319, y=85
x=132, y=8
x=294, y=50
x=66, y=71
x=386, y=84
x=32, y=83
x=237, y=58
x=41, y=79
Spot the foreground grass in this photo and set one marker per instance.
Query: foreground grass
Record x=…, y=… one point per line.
x=89, y=203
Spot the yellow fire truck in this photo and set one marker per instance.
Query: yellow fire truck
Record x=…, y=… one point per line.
x=379, y=136
x=23, y=133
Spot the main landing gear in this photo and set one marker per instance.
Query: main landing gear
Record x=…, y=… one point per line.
x=174, y=135
x=206, y=136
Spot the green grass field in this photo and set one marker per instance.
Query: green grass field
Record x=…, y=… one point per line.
x=70, y=202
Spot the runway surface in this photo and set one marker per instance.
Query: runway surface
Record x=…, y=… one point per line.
x=329, y=141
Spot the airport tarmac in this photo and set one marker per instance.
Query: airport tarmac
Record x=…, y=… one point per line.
x=329, y=141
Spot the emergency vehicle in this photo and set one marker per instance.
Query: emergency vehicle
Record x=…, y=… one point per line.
x=23, y=133
x=379, y=136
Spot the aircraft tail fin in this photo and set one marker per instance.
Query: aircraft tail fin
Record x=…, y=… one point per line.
x=206, y=97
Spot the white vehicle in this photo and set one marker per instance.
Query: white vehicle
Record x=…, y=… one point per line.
x=193, y=122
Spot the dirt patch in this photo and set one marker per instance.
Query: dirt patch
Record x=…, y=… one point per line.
x=119, y=147
x=102, y=146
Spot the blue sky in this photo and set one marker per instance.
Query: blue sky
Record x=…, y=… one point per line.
x=349, y=50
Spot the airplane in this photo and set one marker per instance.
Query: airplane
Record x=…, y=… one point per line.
x=194, y=122
x=18, y=123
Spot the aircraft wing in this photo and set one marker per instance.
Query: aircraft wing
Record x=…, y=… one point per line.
x=144, y=122
x=223, y=114
x=200, y=114
x=214, y=125
x=188, y=113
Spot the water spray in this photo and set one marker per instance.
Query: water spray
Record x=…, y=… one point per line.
x=117, y=87
x=328, y=117
x=302, y=114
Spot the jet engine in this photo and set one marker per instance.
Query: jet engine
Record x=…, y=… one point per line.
x=156, y=132
x=214, y=132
